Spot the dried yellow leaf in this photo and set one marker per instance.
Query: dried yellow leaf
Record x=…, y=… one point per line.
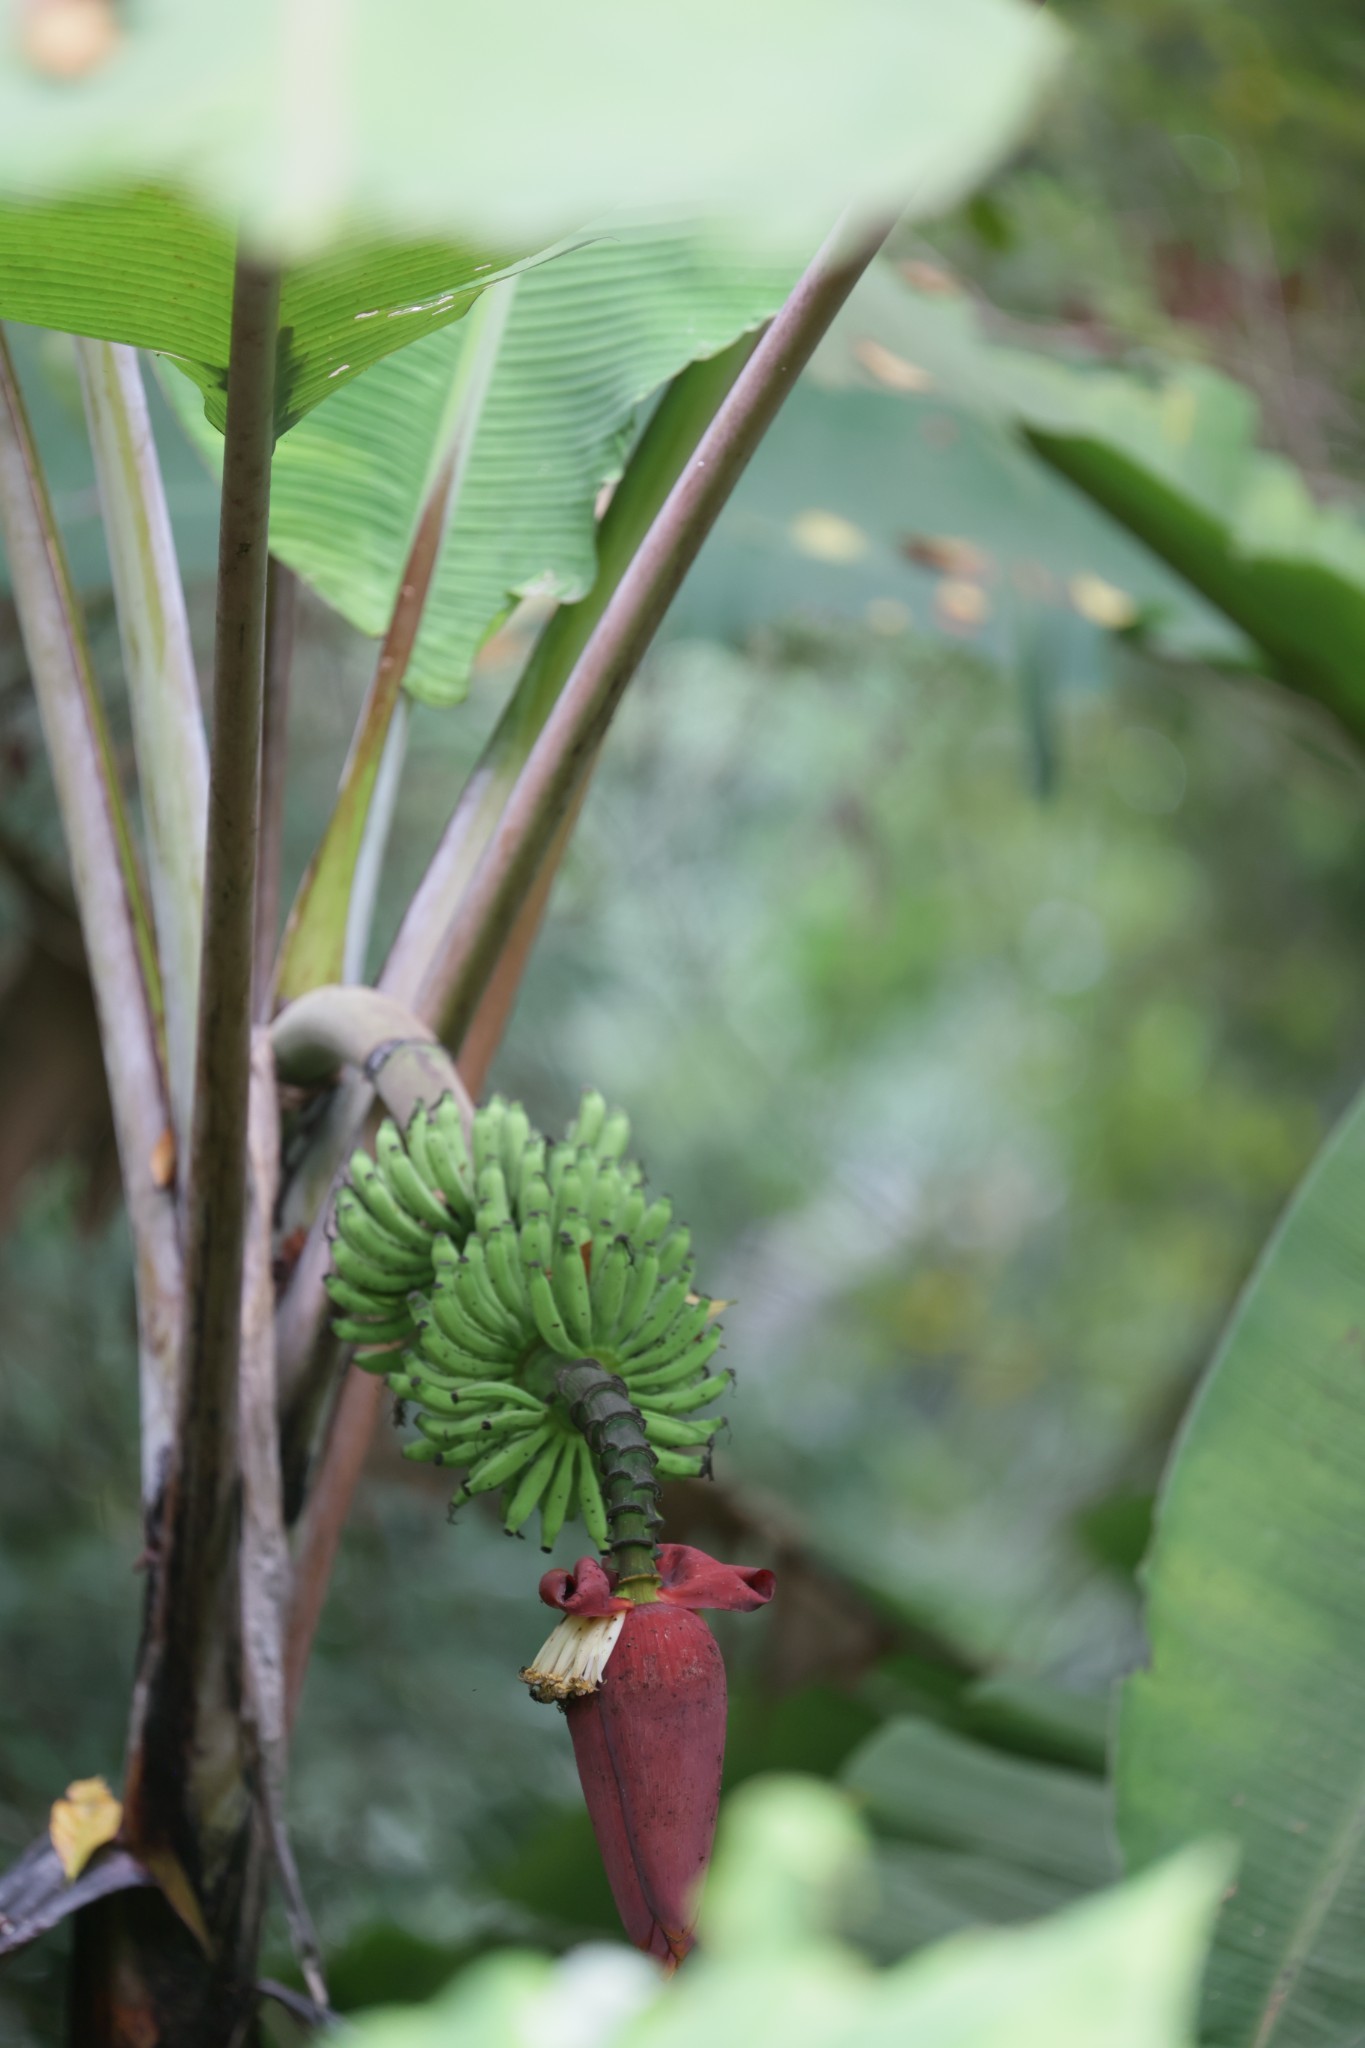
x=83, y=1821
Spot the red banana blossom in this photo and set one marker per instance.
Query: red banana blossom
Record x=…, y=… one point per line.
x=649, y=1731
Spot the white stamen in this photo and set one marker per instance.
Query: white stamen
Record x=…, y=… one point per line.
x=573, y=1658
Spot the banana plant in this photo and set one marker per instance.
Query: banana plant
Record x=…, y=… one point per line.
x=300, y=218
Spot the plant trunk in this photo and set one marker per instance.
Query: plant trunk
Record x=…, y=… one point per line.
x=140, y=1979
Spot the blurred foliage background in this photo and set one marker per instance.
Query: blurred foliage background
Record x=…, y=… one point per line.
x=980, y=975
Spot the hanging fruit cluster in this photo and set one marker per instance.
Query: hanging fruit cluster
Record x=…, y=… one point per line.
x=468, y=1271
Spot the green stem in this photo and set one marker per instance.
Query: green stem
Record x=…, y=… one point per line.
x=163, y=692
x=114, y=922
x=601, y=1407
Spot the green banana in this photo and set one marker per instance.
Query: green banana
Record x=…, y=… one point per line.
x=591, y=1505
x=404, y=1181
x=374, y=1192
x=682, y=1400
x=673, y=1253
x=452, y=1359
x=615, y=1136
x=667, y=1430
x=373, y=1280
x=421, y=1452
x=373, y=1242
x=663, y=1312
x=516, y=1132
x=529, y=1488
x=656, y=1220
x=487, y=1134
x=685, y=1330
x=554, y=1509
x=454, y=1321
x=492, y=1191
x=677, y=1465
x=639, y=1294
x=572, y=1298
x=472, y=1431
x=561, y=1158
x=690, y=1360
x=383, y=1330
x=475, y=1293
x=592, y=1111
x=544, y=1308
x=449, y=1164
x=346, y=1297
x=537, y=1242
x=610, y=1273
x=504, y=1463
x=568, y=1197
x=502, y=1257
x=535, y=1198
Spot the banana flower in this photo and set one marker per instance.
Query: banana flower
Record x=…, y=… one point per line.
x=642, y=1683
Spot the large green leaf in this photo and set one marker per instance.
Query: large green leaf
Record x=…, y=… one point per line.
x=1249, y=1721
x=589, y=337
x=148, y=269
x=966, y=1835
x=1175, y=459
x=518, y=122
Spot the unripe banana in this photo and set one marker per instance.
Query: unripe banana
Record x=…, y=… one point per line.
x=373, y=1242
x=502, y=1256
x=615, y=1136
x=454, y=1322
x=380, y=1330
x=450, y=1170
x=478, y=1298
x=504, y=1463
x=683, y=1400
x=568, y=1197
x=535, y=1198
x=662, y=1313
x=374, y=1193
x=656, y=1220
x=572, y=1299
x=668, y=1430
x=436, y=1349
x=679, y=1465
x=421, y=1452
x=546, y=1312
x=639, y=1294
x=492, y=1191
x=630, y=1215
x=659, y=1378
x=673, y=1253
x=348, y=1298
x=592, y=1111
x=364, y=1274
x=474, y=1431
x=487, y=1133
x=684, y=1331
x=561, y=1158
x=516, y=1132
x=532, y=1484
x=406, y=1183
x=558, y=1496
x=610, y=1274
x=537, y=1241
x=591, y=1505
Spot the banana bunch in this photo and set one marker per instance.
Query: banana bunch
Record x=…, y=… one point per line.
x=468, y=1273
